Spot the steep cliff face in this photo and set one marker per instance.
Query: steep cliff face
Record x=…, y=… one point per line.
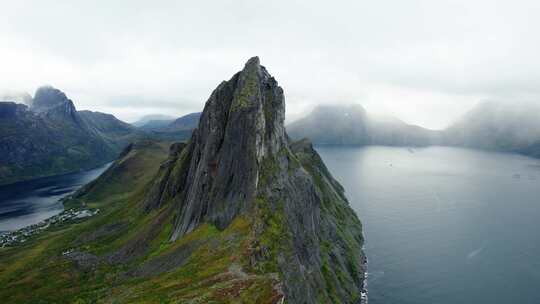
x=240, y=163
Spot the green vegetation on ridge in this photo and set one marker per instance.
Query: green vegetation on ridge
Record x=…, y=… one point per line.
x=211, y=271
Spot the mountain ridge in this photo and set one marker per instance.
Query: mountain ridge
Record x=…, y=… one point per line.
x=152, y=117
x=51, y=137
x=489, y=125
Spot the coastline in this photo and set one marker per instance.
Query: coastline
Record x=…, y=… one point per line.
x=28, y=203
x=10, y=238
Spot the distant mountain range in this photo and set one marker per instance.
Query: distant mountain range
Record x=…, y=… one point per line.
x=148, y=121
x=178, y=129
x=48, y=136
x=490, y=125
x=498, y=126
x=351, y=125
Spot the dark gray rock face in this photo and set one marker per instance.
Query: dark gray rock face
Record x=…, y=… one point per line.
x=47, y=98
x=240, y=162
x=241, y=123
x=325, y=233
x=164, y=185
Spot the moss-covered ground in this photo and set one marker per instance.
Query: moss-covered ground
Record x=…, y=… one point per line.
x=131, y=257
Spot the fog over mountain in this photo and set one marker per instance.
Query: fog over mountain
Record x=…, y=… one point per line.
x=153, y=119
x=426, y=62
x=490, y=125
x=18, y=97
x=498, y=125
x=352, y=125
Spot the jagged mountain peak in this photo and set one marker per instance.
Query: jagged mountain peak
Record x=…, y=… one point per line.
x=239, y=165
x=242, y=122
x=48, y=97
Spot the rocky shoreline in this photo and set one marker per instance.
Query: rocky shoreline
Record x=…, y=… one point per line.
x=364, y=292
x=10, y=238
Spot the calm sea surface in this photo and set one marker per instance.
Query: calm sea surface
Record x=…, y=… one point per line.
x=445, y=225
x=30, y=202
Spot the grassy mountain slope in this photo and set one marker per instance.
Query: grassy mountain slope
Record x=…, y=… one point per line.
x=123, y=254
x=238, y=214
x=39, y=263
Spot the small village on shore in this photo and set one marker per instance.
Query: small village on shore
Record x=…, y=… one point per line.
x=10, y=238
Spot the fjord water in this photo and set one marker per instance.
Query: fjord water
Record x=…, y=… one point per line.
x=29, y=202
x=444, y=225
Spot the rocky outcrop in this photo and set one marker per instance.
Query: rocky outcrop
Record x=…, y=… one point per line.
x=164, y=185
x=240, y=162
x=47, y=97
x=241, y=124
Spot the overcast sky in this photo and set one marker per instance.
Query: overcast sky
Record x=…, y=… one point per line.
x=426, y=62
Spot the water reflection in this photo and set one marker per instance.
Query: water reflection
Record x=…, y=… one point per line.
x=29, y=202
x=444, y=225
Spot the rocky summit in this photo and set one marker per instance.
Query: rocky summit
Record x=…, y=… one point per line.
x=47, y=98
x=240, y=162
x=237, y=214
